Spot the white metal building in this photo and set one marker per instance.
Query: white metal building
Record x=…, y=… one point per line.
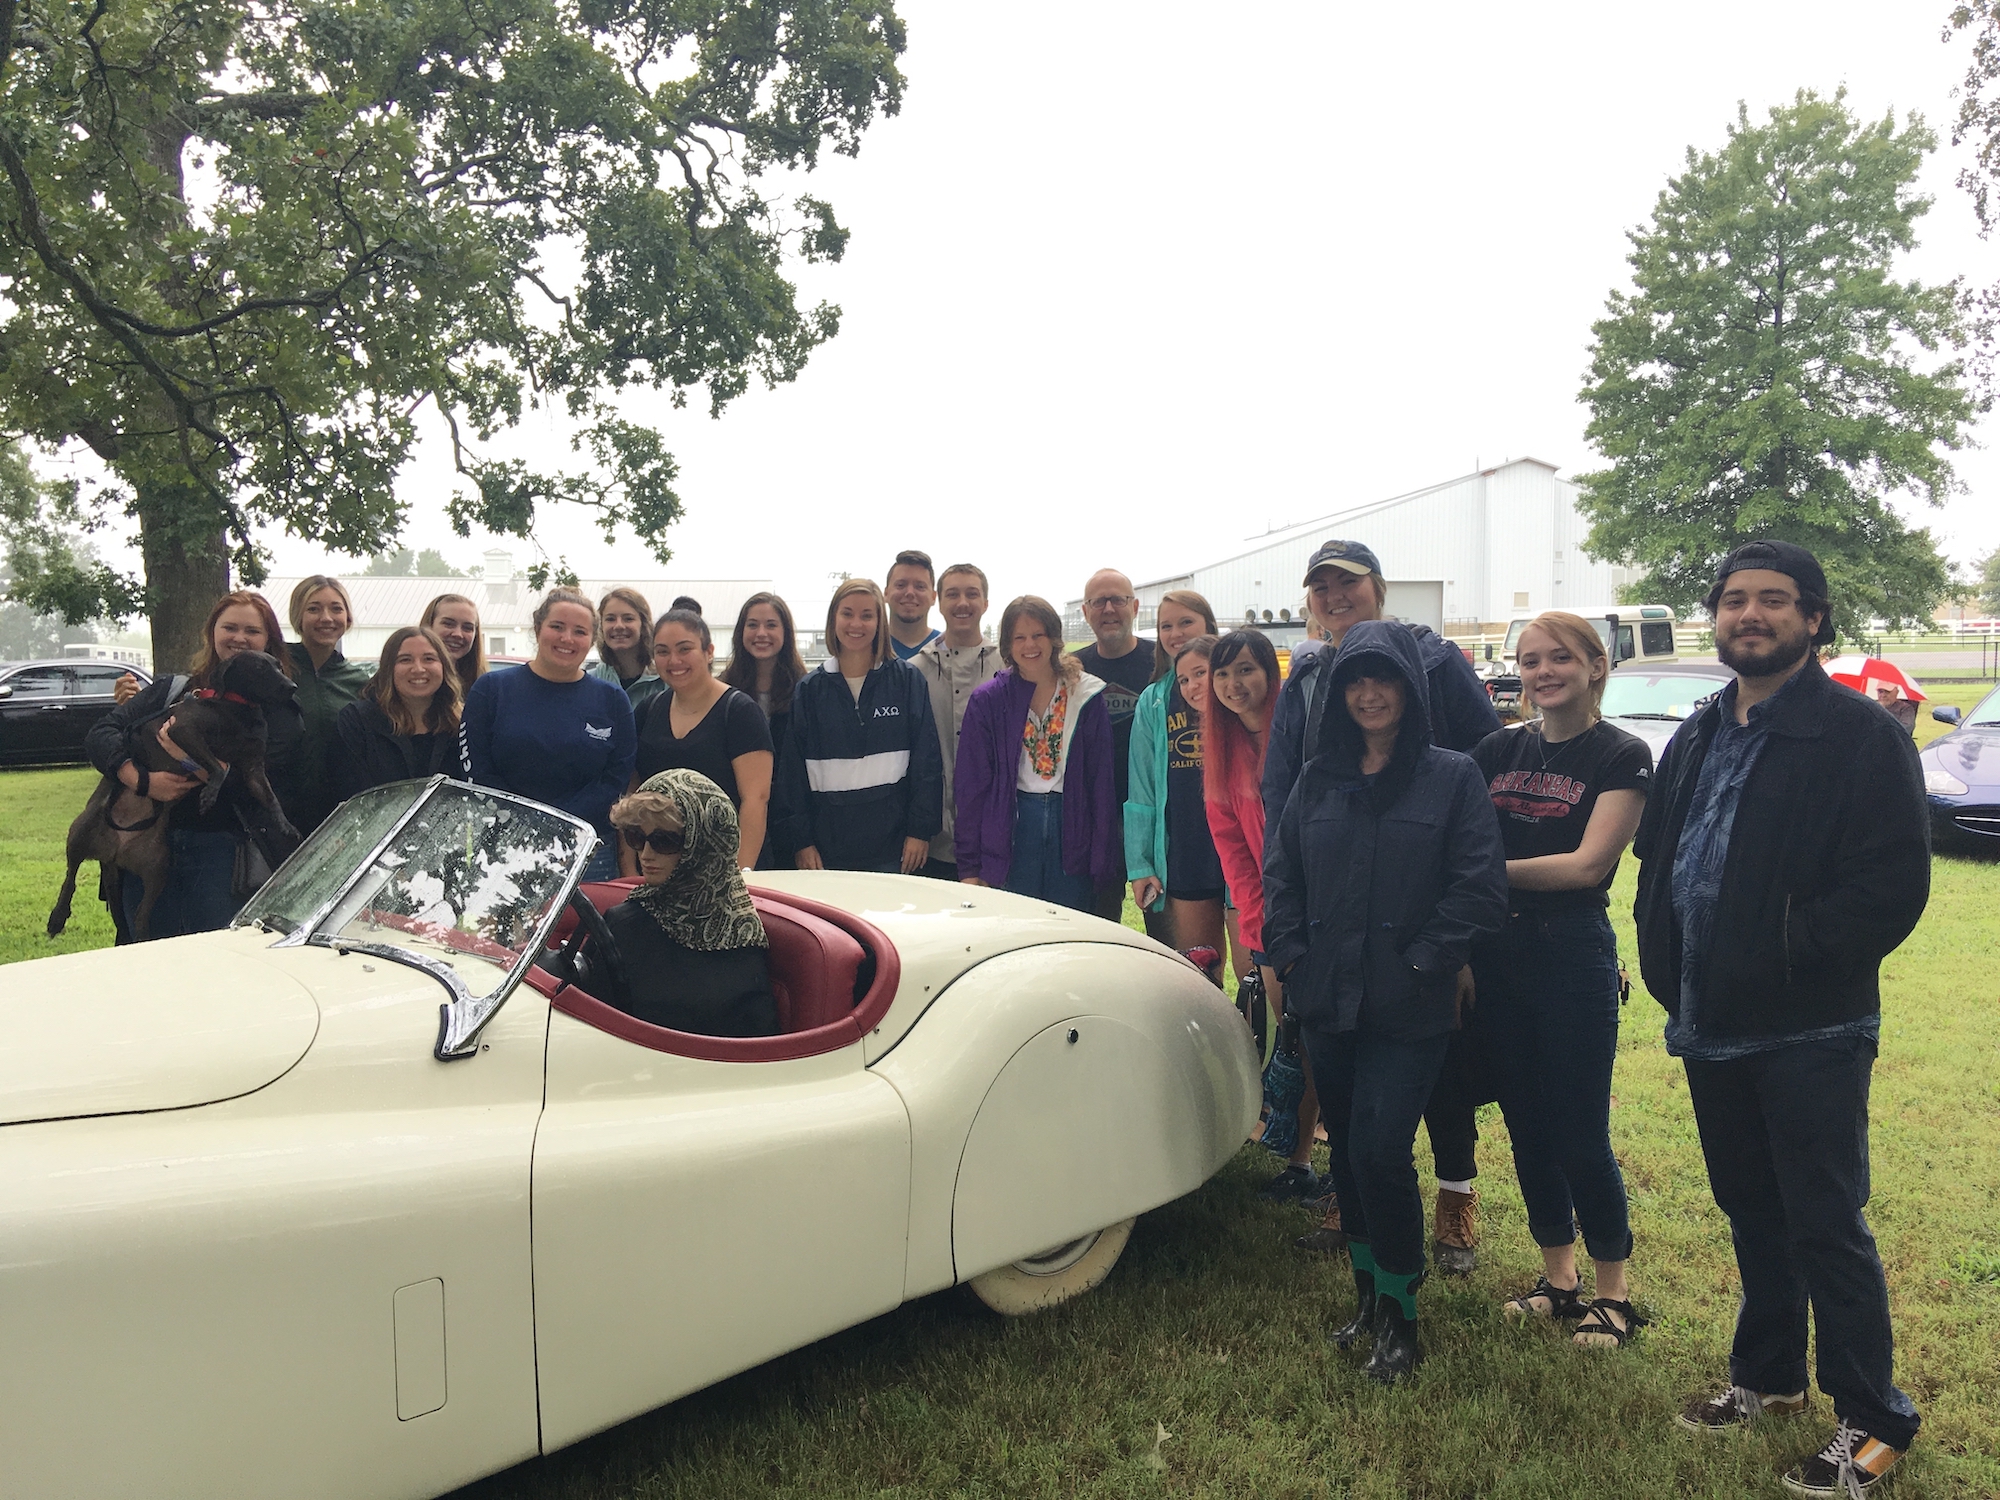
x=506, y=603
x=1457, y=555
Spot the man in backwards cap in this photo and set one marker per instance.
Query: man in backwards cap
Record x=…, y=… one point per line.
x=1785, y=852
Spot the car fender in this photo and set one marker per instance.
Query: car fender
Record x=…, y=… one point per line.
x=1022, y=1138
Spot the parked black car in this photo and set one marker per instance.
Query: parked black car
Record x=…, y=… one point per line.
x=47, y=707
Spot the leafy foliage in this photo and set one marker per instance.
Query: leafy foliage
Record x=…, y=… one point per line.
x=243, y=244
x=401, y=562
x=1767, y=375
x=1986, y=587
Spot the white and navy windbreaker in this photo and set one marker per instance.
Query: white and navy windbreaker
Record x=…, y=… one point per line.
x=857, y=779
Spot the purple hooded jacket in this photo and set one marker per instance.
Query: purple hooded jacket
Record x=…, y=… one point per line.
x=989, y=759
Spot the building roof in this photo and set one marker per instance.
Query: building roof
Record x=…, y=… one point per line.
x=1342, y=517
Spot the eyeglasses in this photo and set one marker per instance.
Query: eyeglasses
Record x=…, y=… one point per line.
x=660, y=840
x=1105, y=601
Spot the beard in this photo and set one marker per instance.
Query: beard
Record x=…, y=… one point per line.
x=1764, y=655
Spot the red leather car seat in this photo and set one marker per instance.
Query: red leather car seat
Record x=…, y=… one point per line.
x=817, y=970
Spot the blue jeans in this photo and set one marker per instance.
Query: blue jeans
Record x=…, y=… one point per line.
x=1786, y=1137
x=200, y=894
x=1372, y=1093
x=1036, y=868
x=1547, y=987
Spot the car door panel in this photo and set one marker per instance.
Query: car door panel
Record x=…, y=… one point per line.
x=695, y=1218
x=232, y=1299
x=33, y=716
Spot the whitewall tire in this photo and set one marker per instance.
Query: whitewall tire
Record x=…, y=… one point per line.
x=1056, y=1275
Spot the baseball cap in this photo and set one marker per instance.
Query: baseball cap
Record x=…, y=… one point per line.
x=1350, y=557
x=1788, y=558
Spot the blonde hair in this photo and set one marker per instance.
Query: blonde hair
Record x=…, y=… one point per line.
x=860, y=586
x=1163, y=661
x=306, y=588
x=653, y=807
x=1580, y=638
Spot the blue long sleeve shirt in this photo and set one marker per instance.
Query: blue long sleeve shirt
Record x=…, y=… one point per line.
x=568, y=744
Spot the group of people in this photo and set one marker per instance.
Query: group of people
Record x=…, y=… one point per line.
x=1423, y=892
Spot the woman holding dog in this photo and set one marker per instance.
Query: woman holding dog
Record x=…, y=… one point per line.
x=202, y=891
x=404, y=724
x=321, y=614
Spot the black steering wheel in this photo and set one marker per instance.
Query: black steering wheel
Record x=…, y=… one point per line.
x=590, y=951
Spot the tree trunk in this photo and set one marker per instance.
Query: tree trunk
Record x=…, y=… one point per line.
x=187, y=569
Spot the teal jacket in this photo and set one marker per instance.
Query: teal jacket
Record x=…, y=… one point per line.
x=642, y=691
x=1146, y=800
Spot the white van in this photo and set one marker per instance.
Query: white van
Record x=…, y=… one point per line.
x=1630, y=632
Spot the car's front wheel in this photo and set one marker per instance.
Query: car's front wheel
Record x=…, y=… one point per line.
x=1056, y=1275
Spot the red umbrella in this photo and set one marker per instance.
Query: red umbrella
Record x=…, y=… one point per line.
x=1863, y=672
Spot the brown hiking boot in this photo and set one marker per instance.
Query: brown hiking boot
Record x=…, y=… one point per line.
x=1329, y=1238
x=1455, y=1232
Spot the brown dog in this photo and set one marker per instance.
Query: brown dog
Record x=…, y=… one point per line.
x=223, y=732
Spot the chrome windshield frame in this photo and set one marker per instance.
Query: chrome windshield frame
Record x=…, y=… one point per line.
x=465, y=1015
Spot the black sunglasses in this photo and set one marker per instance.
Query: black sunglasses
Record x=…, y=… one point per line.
x=662, y=840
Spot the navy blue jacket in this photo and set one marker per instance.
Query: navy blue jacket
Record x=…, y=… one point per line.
x=1460, y=707
x=1828, y=869
x=1376, y=889
x=856, y=779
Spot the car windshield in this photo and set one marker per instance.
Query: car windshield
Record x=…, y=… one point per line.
x=461, y=881
x=1988, y=711
x=1650, y=695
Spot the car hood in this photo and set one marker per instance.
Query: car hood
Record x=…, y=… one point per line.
x=152, y=1026
x=941, y=929
x=1655, y=732
x=1972, y=754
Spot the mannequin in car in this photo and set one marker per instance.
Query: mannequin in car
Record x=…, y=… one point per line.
x=692, y=948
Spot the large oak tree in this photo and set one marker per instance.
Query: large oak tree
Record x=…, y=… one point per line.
x=1768, y=375
x=244, y=244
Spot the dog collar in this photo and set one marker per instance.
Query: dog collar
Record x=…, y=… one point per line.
x=225, y=697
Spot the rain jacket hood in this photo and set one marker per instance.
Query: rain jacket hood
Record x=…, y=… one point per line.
x=1381, y=649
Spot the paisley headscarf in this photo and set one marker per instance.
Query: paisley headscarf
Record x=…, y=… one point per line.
x=704, y=904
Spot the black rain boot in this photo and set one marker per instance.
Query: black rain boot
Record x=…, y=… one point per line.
x=1350, y=1333
x=1396, y=1350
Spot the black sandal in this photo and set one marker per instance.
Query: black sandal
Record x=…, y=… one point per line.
x=1597, y=1324
x=1565, y=1303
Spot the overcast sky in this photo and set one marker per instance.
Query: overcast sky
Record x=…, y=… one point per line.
x=1125, y=289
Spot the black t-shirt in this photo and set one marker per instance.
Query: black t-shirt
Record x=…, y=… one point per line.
x=1546, y=793
x=1194, y=869
x=1125, y=678
x=734, y=725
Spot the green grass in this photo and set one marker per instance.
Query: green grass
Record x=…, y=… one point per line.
x=35, y=812
x=1211, y=1324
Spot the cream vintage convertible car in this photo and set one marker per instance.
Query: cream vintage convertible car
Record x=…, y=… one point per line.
x=358, y=1198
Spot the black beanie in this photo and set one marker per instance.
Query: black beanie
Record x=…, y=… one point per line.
x=1781, y=557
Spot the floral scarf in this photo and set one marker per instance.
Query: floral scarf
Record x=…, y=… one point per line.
x=1042, y=741
x=704, y=904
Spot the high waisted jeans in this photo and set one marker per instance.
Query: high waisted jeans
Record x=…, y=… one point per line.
x=1037, y=866
x=1547, y=987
